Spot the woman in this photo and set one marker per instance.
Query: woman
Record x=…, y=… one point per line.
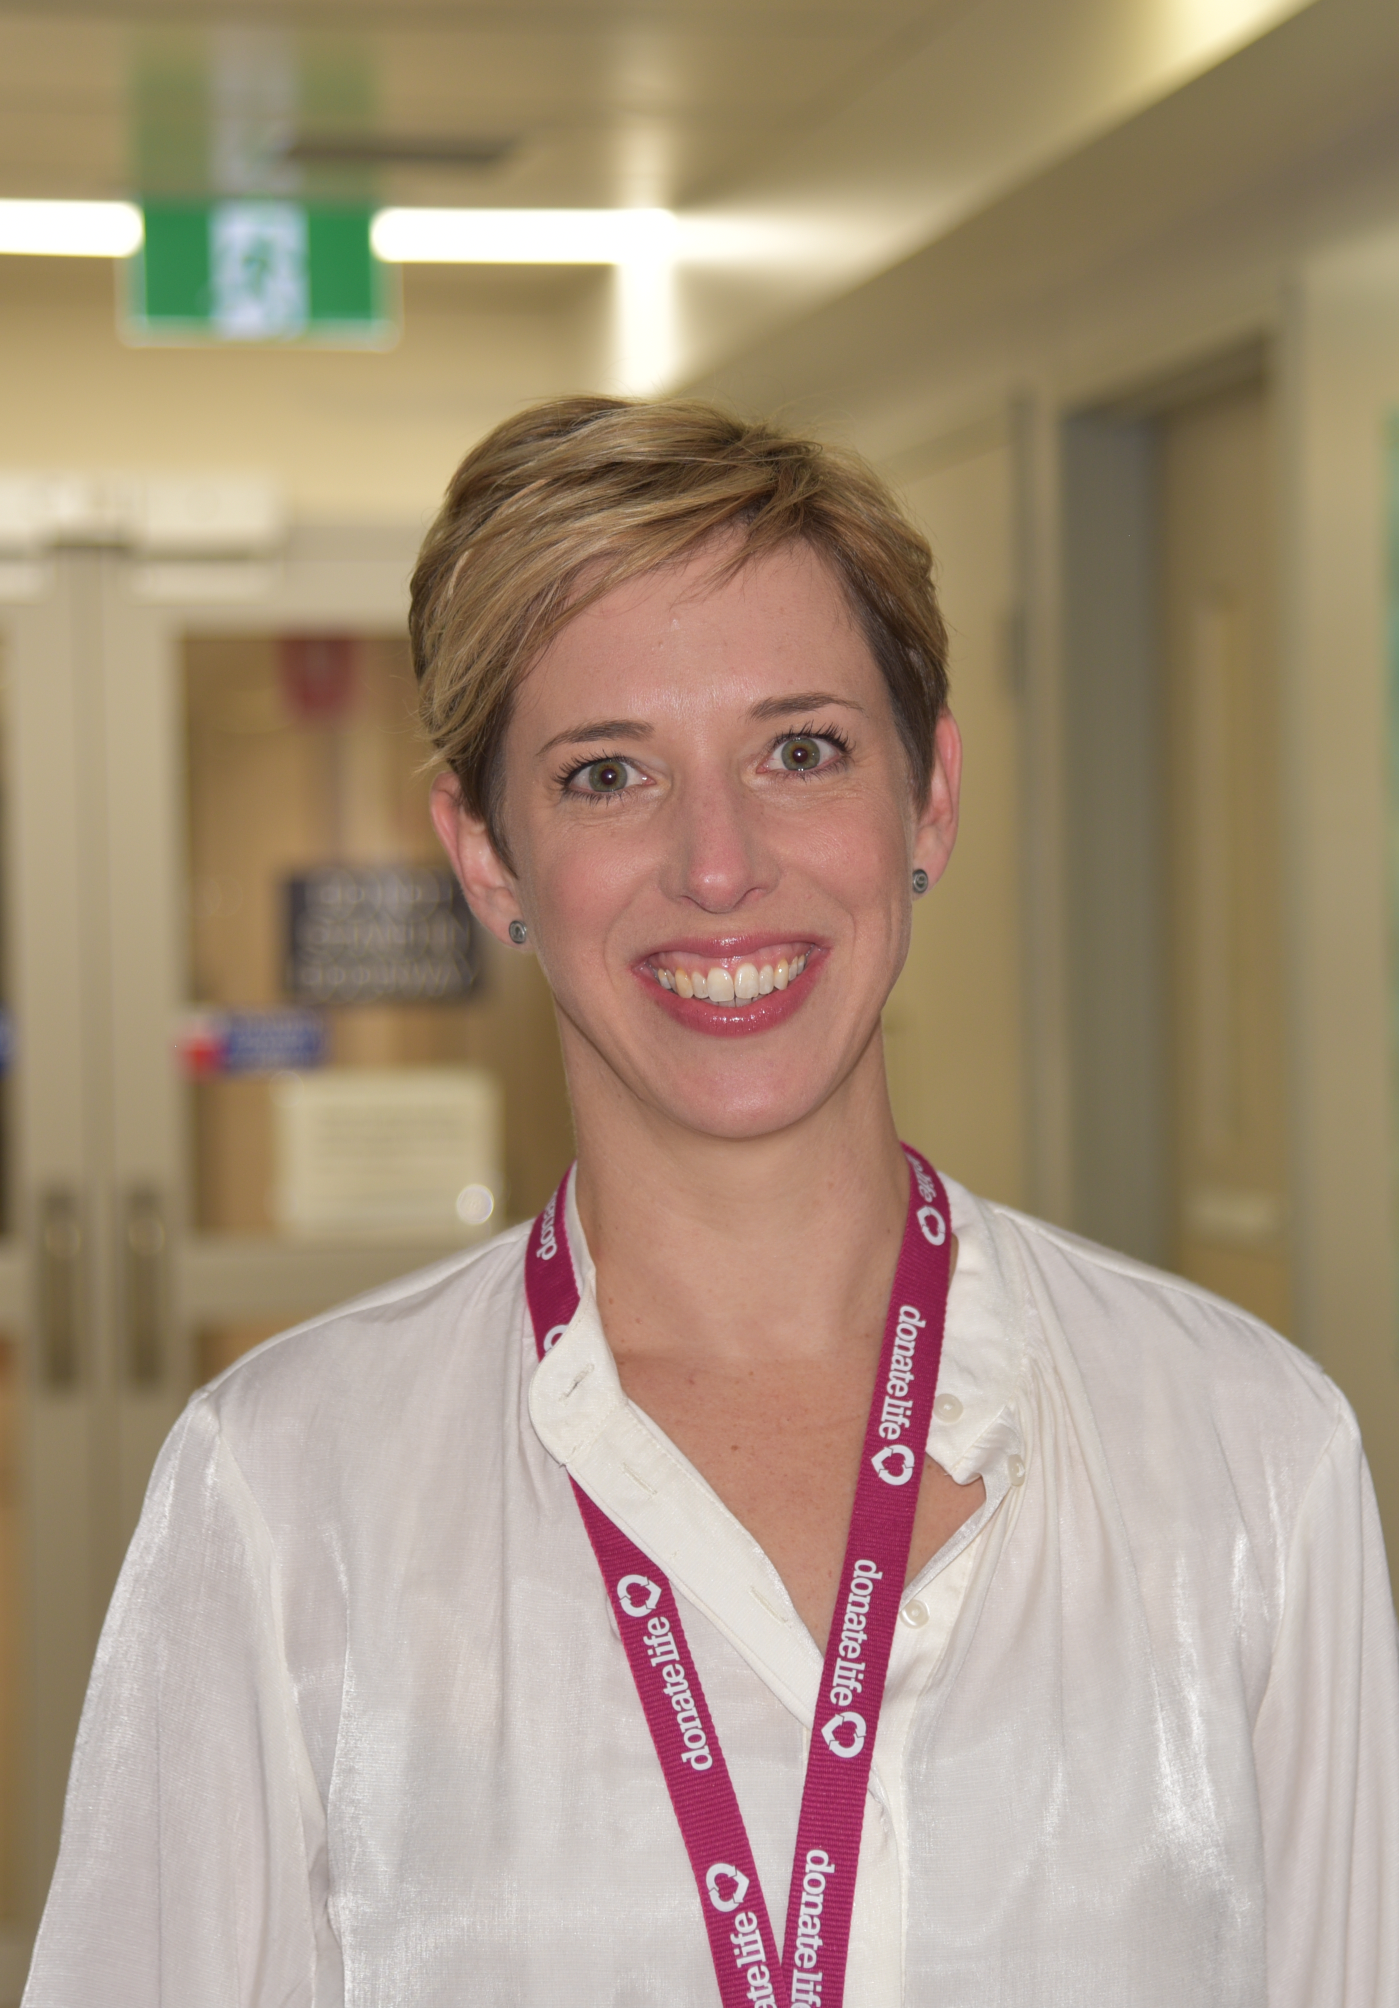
x=1101, y=1690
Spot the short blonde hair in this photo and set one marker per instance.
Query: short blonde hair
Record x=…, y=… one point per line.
x=569, y=499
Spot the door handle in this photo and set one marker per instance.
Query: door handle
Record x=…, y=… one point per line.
x=60, y=1290
x=145, y=1243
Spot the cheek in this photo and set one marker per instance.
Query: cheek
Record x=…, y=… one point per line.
x=577, y=887
x=858, y=859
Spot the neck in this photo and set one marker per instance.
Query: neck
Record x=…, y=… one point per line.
x=783, y=1244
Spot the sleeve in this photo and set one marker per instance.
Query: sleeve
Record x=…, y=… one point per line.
x=1327, y=1750
x=192, y=1867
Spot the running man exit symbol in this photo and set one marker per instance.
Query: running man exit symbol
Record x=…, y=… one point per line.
x=260, y=282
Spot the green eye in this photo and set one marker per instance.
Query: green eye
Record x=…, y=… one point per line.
x=799, y=756
x=606, y=777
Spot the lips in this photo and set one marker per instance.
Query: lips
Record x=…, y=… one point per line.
x=731, y=987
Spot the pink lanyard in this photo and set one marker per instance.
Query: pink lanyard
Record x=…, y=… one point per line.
x=811, y=1969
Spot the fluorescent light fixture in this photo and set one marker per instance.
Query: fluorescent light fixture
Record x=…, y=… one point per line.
x=70, y=229
x=523, y=236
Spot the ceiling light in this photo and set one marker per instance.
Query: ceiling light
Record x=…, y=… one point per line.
x=70, y=229
x=522, y=236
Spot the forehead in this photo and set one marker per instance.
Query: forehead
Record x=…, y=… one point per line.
x=698, y=634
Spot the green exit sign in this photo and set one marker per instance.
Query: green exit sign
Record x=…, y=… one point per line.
x=260, y=270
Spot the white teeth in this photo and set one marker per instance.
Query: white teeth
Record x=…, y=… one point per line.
x=739, y=986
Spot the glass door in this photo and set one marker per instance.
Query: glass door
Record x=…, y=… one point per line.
x=264, y=1059
x=327, y=1074
x=59, y=1541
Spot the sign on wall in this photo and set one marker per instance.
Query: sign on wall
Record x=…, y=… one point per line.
x=387, y=1153
x=259, y=269
x=378, y=934
x=211, y=1042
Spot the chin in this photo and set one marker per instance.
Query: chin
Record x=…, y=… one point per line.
x=731, y=1088
x=731, y=1126
x=733, y=1108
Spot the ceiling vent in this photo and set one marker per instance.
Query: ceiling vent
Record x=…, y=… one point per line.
x=402, y=150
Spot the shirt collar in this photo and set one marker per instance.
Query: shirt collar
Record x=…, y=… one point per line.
x=619, y=1457
x=983, y=1347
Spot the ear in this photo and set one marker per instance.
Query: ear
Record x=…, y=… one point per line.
x=488, y=884
x=936, y=829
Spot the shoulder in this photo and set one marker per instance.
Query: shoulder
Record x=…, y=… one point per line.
x=1182, y=1394
x=1112, y=1308
x=382, y=1367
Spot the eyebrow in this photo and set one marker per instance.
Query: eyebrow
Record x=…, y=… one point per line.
x=802, y=700
x=600, y=728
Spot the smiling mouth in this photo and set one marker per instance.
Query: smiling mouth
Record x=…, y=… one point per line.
x=730, y=982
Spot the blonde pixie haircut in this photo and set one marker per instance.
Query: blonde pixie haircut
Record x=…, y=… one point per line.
x=569, y=499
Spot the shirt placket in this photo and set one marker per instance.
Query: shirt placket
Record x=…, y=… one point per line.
x=928, y=1616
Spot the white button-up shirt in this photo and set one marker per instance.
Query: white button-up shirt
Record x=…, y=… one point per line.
x=360, y=1730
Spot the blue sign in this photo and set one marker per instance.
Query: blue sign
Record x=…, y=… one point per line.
x=252, y=1042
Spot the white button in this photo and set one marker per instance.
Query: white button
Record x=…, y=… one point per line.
x=914, y=1612
x=1016, y=1468
x=947, y=1408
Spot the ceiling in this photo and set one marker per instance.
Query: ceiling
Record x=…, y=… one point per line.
x=597, y=103
x=1288, y=146
x=815, y=146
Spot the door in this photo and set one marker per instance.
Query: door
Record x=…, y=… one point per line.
x=263, y=1061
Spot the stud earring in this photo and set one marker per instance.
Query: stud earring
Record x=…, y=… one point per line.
x=920, y=883
x=519, y=933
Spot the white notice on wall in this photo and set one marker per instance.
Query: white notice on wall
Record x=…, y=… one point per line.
x=388, y=1154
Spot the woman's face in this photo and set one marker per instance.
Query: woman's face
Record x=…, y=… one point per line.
x=712, y=829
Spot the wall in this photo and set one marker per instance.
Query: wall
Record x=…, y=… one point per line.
x=1342, y=352
x=352, y=436
x=954, y=1027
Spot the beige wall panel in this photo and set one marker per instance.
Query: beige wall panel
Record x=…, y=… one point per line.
x=11, y=1632
x=352, y=436
x=1344, y=354
x=1229, y=1123
x=954, y=1026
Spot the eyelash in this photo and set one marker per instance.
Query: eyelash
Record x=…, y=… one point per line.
x=567, y=775
x=832, y=735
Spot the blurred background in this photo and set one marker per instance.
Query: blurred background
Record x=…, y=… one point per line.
x=1108, y=288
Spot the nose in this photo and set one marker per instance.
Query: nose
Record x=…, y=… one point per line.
x=719, y=857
